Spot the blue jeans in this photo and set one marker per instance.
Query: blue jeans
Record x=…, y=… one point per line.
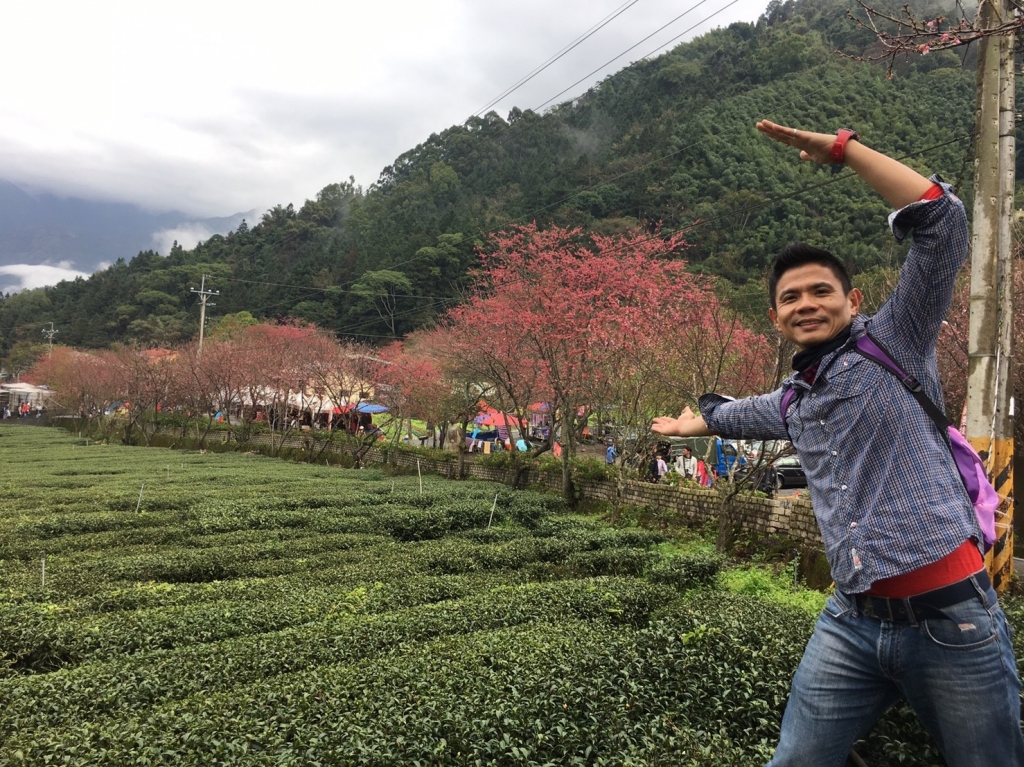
x=959, y=675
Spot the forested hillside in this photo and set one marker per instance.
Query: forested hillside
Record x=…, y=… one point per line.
x=664, y=143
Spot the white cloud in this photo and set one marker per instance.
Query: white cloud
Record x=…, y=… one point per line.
x=15, y=277
x=186, y=235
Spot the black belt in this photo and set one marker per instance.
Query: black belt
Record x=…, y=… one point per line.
x=922, y=606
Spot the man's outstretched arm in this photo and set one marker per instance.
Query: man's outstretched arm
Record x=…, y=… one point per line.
x=686, y=425
x=898, y=184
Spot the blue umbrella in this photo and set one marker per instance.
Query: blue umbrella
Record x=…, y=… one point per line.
x=369, y=407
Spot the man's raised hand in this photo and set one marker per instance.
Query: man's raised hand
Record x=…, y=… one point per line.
x=816, y=147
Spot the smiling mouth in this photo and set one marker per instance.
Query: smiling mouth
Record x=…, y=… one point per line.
x=810, y=324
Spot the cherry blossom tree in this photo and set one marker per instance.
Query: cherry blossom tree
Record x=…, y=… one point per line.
x=143, y=381
x=906, y=32
x=82, y=383
x=271, y=361
x=574, y=315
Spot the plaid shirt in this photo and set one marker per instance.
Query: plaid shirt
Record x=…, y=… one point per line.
x=886, y=492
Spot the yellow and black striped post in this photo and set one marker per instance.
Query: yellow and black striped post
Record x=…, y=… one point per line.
x=1000, y=470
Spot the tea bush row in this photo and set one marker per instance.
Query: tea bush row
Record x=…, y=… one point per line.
x=702, y=685
x=95, y=689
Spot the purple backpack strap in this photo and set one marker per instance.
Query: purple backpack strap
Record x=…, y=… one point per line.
x=787, y=400
x=968, y=463
x=869, y=347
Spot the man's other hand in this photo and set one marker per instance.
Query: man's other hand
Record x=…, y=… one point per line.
x=686, y=425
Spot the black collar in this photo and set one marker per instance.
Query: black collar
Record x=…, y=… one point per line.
x=810, y=357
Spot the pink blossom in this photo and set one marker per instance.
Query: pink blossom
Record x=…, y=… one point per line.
x=944, y=38
x=923, y=49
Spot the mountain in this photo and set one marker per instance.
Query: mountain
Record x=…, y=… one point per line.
x=86, y=235
x=664, y=145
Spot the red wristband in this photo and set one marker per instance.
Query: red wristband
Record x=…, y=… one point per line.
x=934, y=192
x=843, y=136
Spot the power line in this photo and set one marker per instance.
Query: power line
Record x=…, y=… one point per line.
x=532, y=126
x=525, y=79
x=659, y=29
x=331, y=289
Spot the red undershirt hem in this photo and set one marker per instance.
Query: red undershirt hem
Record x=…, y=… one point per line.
x=961, y=563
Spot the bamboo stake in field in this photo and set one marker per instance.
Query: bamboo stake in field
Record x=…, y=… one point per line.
x=42, y=574
x=137, y=505
x=493, y=507
x=420, y=475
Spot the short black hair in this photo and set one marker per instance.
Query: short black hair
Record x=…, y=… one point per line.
x=799, y=254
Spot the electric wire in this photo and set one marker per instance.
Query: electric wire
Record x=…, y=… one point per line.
x=526, y=78
x=591, y=74
x=694, y=225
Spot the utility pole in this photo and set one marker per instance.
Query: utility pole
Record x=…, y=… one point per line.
x=203, y=295
x=50, y=333
x=989, y=391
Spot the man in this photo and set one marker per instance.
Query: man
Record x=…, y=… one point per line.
x=914, y=615
x=686, y=464
x=610, y=454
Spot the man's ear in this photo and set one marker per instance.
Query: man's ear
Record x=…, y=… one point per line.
x=856, y=298
x=774, y=317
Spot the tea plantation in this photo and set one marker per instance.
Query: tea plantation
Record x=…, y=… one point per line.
x=232, y=609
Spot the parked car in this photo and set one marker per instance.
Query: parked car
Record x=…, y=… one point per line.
x=770, y=449
x=784, y=473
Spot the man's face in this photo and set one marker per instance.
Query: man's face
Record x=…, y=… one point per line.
x=810, y=305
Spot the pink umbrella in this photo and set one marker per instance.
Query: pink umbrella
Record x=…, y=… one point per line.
x=500, y=419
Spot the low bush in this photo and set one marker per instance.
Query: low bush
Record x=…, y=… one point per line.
x=414, y=524
x=611, y=561
x=687, y=571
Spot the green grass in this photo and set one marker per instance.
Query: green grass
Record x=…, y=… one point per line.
x=777, y=587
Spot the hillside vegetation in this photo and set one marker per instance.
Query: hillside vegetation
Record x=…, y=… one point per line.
x=668, y=141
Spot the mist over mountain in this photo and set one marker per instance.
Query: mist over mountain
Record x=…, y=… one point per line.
x=44, y=237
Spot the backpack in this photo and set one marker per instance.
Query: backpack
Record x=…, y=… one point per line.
x=968, y=463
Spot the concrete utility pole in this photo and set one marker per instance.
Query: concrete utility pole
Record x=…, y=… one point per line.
x=989, y=390
x=50, y=333
x=203, y=295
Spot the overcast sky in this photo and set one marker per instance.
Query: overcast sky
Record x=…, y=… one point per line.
x=216, y=107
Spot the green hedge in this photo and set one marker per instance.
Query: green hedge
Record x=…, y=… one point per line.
x=687, y=571
x=97, y=689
